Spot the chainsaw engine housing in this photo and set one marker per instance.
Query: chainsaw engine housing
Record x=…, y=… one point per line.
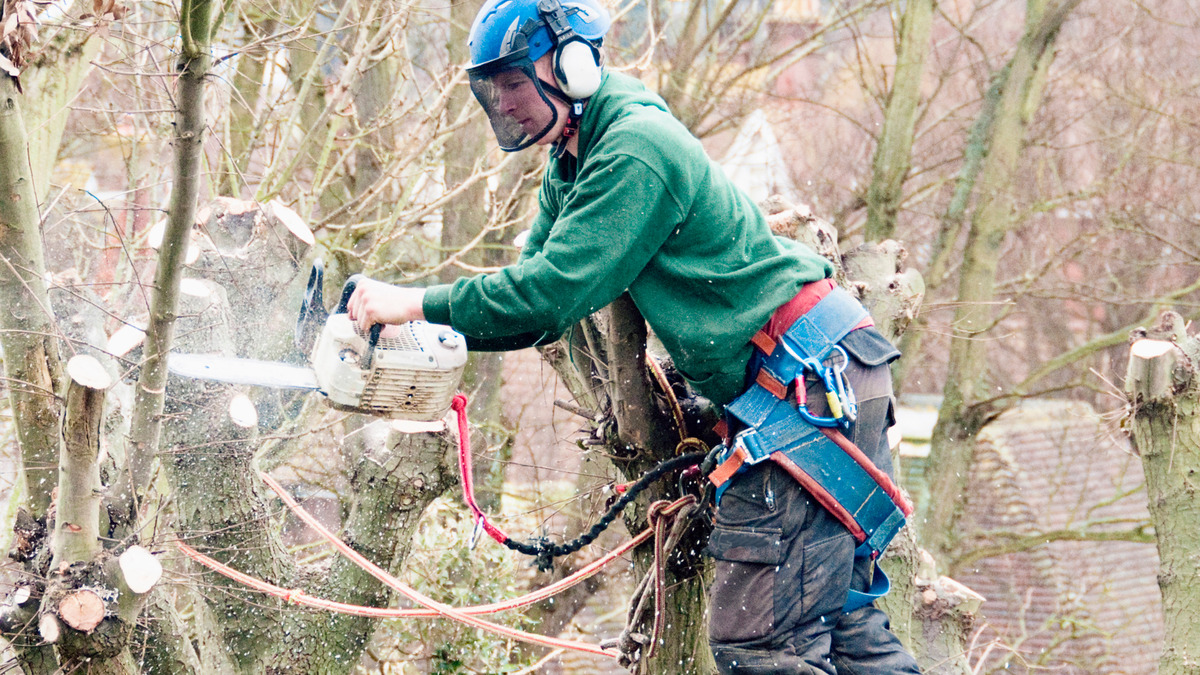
x=411, y=375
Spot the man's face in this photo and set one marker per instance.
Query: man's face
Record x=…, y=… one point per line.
x=519, y=98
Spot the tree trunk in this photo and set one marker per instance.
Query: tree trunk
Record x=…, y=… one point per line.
x=393, y=483
x=1164, y=395
x=92, y=598
x=130, y=488
x=53, y=80
x=222, y=510
x=893, y=154
x=77, y=524
x=964, y=408
x=32, y=368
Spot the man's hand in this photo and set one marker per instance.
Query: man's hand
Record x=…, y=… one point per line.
x=376, y=302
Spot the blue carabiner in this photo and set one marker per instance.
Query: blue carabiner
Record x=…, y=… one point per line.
x=802, y=401
x=835, y=391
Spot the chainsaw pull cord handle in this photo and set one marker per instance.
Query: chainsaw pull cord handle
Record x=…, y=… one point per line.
x=364, y=362
x=459, y=406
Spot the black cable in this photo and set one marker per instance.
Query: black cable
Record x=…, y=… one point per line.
x=545, y=552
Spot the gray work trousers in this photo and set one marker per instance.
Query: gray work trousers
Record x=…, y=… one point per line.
x=783, y=565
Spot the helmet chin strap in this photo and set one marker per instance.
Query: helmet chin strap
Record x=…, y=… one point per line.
x=559, y=147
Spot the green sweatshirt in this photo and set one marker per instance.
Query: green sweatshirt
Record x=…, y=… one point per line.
x=641, y=209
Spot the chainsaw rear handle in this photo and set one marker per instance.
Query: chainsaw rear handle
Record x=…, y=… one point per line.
x=376, y=329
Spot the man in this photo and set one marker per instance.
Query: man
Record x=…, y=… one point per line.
x=631, y=202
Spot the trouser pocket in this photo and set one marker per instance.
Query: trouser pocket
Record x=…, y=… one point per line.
x=742, y=596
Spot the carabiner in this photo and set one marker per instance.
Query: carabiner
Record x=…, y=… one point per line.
x=845, y=391
x=802, y=406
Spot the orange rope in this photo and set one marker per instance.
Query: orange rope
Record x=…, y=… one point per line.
x=420, y=598
x=432, y=607
x=660, y=377
x=302, y=598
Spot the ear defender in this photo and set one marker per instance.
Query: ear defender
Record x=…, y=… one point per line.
x=577, y=68
x=576, y=61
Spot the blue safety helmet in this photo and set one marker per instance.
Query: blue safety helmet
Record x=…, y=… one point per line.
x=508, y=36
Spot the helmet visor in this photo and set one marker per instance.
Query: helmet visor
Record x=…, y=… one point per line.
x=518, y=108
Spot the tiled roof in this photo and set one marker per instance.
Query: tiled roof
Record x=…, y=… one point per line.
x=1081, y=606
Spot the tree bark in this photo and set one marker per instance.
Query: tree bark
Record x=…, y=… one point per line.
x=893, y=154
x=32, y=367
x=1164, y=397
x=77, y=526
x=222, y=510
x=393, y=483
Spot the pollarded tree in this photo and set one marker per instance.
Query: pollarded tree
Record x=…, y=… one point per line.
x=1163, y=398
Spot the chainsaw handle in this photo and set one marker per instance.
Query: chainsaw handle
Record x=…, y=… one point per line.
x=376, y=329
x=348, y=290
x=312, y=310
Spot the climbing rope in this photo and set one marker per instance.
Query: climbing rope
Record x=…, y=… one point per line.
x=431, y=608
x=633, y=645
x=415, y=595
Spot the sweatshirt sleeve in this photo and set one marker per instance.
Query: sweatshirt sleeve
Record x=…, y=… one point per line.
x=608, y=228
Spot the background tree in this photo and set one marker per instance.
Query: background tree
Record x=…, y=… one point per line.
x=1161, y=389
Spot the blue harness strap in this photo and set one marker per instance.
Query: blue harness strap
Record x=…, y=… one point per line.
x=839, y=476
x=880, y=585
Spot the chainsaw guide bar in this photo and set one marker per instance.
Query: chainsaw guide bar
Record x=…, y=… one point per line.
x=242, y=371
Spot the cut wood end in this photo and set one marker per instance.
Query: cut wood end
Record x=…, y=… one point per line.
x=20, y=595
x=48, y=628
x=1147, y=348
x=929, y=596
x=140, y=569
x=197, y=288
x=242, y=411
x=155, y=236
x=125, y=339
x=155, y=239
x=926, y=568
x=292, y=221
x=894, y=435
x=193, y=252
x=82, y=610
x=87, y=371
x=961, y=595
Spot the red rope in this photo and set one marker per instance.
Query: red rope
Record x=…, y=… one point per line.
x=459, y=406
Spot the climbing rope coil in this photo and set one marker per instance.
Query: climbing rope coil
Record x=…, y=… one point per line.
x=667, y=523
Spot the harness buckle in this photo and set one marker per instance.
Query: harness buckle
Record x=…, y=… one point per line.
x=745, y=439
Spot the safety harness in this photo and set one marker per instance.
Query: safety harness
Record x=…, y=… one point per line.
x=813, y=450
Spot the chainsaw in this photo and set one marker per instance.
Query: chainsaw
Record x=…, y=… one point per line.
x=410, y=373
